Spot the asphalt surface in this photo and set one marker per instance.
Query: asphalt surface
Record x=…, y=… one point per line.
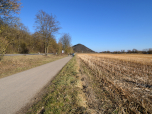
x=17, y=90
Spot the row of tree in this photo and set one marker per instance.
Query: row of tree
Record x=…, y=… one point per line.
x=16, y=38
x=145, y=51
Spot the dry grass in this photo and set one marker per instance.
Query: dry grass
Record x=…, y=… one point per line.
x=128, y=79
x=14, y=64
x=64, y=94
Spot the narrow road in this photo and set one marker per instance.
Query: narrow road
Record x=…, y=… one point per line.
x=17, y=90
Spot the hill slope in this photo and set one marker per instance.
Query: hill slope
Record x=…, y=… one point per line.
x=82, y=49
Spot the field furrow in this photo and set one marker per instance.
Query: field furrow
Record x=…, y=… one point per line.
x=128, y=80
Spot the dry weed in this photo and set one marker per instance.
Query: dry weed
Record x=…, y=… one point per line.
x=13, y=64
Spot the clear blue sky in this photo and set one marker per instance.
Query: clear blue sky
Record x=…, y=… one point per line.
x=100, y=25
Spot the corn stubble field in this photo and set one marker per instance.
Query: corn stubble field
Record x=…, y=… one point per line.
x=127, y=78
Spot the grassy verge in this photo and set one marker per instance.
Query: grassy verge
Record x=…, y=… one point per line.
x=14, y=64
x=64, y=95
x=75, y=90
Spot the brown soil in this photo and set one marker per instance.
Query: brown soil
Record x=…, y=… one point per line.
x=98, y=99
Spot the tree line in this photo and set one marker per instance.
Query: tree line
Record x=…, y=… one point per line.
x=15, y=37
x=145, y=51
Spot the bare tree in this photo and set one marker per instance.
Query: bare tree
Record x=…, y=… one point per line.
x=46, y=25
x=7, y=7
x=150, y=51
x=66, y=42
x=129, y=51
x=122, y=51
x=134, y=51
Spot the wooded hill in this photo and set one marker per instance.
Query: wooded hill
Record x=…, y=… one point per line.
x=82, y=49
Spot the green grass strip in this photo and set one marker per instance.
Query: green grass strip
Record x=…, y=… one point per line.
x=62, y=93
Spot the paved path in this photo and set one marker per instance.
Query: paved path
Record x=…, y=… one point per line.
x=17, y=90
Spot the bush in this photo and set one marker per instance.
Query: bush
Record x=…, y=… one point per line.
x=24, y=48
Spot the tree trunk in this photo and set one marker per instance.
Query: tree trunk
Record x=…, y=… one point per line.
x=47, y=50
